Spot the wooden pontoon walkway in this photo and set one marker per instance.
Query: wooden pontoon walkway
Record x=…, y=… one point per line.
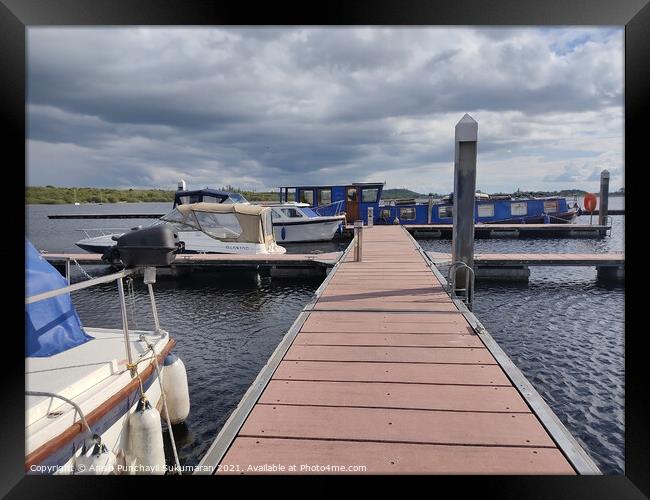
x=384, y=370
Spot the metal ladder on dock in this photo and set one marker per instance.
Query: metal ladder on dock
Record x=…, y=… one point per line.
x=465, y=294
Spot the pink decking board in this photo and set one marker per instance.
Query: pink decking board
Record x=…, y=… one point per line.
x=387, y=374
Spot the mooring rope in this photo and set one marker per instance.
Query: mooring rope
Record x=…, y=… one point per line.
x=83, y=271
x=131, y=294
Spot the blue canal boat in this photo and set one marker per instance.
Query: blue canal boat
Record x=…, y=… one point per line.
x=355, y=199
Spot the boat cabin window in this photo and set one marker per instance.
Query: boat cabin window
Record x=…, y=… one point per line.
x=519, y=208
x=291, y=213
x=219, y=225
x=486, y=210
x=407, y=213
x=352, y=194
x=324, y=196
x=446, y=212
x=211, y=199
x=307, y=196
x=369, y=195
x=184, y=200
x=385, y=213
x=550, y=206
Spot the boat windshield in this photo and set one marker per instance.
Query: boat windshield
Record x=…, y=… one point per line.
x=180, y=222
x=235, y=198
x=220, y=226
x=309, y=212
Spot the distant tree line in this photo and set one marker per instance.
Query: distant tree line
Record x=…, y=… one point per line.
x=67, y=195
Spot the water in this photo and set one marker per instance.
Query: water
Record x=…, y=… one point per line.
x=564, y=330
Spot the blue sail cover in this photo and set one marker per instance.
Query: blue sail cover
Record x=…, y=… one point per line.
x=51, y=325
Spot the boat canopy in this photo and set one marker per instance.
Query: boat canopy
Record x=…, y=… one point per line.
x=238, y=222
x=51, y=325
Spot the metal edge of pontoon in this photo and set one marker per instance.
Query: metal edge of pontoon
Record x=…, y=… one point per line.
x=566, y=443
x=228, y=433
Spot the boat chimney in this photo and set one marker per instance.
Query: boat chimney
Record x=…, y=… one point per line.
x=466, y=138
x=181, y=185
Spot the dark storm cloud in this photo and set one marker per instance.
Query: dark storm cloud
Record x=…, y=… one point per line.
x=258, y=107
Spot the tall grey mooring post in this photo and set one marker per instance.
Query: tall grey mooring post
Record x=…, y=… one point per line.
x=604, y=200
x=466, y=139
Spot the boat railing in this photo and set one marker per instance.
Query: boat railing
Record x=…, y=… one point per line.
x=334, y=208
x=149, y=279
x=79, y=286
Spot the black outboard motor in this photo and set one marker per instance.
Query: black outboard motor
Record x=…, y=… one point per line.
x=153, y=246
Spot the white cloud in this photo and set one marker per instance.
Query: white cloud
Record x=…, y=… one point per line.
x=258, y=108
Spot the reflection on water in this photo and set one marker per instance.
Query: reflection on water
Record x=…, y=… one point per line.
x=564, y=329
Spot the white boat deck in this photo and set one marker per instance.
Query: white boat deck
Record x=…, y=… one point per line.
x=88, y=374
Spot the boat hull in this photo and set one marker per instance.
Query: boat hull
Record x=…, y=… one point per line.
x=193, y=242
x=109, y=419
x=308, y=231
x=561, y=218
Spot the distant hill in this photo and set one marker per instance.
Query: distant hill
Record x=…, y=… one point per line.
x=394, y=194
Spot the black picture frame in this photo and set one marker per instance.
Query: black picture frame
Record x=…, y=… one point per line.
x=17, y=15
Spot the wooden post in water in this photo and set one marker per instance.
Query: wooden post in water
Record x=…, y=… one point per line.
x=604, y=200
x=358, y=240
x=466, y=138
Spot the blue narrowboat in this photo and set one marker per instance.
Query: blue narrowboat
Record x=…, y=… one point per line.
x=355, y=199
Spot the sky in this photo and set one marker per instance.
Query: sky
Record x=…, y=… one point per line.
x=258, y=108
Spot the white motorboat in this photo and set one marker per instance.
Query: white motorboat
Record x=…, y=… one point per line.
x=205, y=227
x=293, y=222
x=94, y=397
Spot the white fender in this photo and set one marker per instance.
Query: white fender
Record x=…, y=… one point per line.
x=146, y=450
x=177, y=393
x=96, y=458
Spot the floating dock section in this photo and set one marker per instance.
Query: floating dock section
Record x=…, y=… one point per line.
x=515, y=266
x=507, y=230
x=279, y=265
x=385, y=372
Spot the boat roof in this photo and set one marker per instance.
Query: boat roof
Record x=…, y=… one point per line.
x=305, y=186
x=238, y=208
x=249, y=218
x=215, y=192
x=282, y=204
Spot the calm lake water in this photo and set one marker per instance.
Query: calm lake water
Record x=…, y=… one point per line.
x=564, y=329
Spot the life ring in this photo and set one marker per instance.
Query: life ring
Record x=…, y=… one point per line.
x=590, y=202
